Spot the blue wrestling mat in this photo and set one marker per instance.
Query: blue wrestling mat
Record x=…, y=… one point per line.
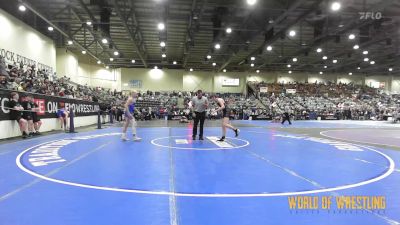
x=167, y=178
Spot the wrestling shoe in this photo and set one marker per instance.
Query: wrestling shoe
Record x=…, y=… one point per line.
x=124, y=138
x=237, y=132
x=135, y=138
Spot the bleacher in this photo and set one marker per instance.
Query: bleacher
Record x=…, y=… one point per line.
x=328, y=101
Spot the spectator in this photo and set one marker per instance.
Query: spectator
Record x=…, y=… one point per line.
x=37, y=123
x=3, y=82
x=62, y=116
x=27, y=114
x=16, y=111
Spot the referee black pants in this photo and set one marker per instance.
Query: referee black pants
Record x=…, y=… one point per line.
x=286, y=116
x=200, y=117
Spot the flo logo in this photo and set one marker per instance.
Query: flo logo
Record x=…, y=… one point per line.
x=370, y=15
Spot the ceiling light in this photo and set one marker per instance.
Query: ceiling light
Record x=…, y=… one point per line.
x=366, y=59
x=251, y=2
x=390, y=69
x=161, y=26
x=257, y=71
x=292, y=33
x=228, y=30
x=50, y=28
x=83, y=52
x=289, y=71
x=155, y=67
x=133, y=61
x=116, y=53
x=89, y=23
x=365, y=52
x=321, y=72
x=224, y=70
x=334, y=61
x=356, y=47
x=70, y=42
x=325, y=57
x=98, y=62
x=269, y=48
x=319, y=50
x=359, y=68
x=191, y=70
x=162, y=44
x=217, y=46
x=174, y=62
x=350, y=74
x=325, y=67
x=352, y=36
x=336, y=6
x=294, y=59
x=164, y=55
x=208, y=56
x=104, y=41
x=253, y=58
x=252, y=65
x=111, y=59
x=289, y=65
x=22, y=8
x=214, y=64
x=107, y=67
x=372, y=62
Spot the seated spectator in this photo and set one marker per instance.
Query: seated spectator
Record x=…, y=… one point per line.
x=16, y=111
x=3, y=82
x=27, y=114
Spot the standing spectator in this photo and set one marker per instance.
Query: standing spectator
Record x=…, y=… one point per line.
x=119, y=114
x=37, y=123
x=62, y=115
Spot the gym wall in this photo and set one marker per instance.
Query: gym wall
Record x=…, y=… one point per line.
x=82, y=73
x=19, y=41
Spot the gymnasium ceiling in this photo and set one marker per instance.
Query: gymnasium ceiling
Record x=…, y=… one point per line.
x=193, y=27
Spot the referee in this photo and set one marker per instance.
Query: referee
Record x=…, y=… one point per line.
x=200, y=104
x=286, y=115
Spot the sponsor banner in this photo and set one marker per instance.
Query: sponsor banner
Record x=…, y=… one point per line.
x=12, y=58
x=263, y=89
x=230, y=82
x=135, y=83
x=291, y=91
x=48, y=105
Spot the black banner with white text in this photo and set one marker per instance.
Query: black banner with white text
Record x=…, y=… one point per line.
x=48, y=105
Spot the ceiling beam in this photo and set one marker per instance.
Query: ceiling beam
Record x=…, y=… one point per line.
x=191, y=28
x=94, y=21
x=88, y=29
x=324, y=38
x=122, y=16
x=58, y=28
x=279, y=20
